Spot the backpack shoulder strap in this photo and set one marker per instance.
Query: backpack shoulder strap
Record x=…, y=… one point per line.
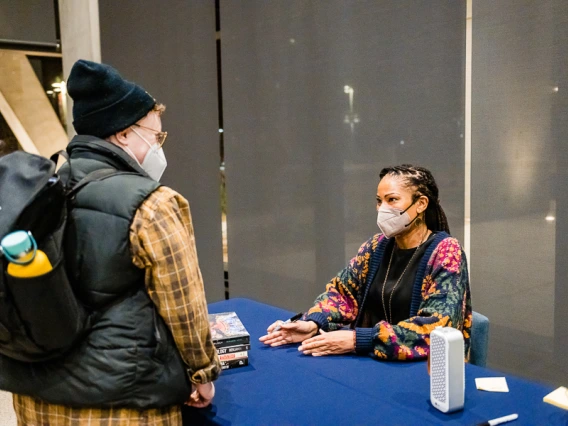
x=97, y=175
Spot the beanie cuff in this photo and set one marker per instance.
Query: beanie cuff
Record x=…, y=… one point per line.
x=116, y=117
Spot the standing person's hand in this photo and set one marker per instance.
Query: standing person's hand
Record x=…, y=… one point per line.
x=292, y=332
x=202, y=395
x=330, y=343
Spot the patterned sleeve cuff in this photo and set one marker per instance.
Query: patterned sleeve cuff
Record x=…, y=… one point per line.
x=320, y=319
x=364, y=340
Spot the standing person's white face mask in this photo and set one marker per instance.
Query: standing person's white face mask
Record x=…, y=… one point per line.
x=155, y=160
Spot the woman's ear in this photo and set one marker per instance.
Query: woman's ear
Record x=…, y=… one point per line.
x=422, y=204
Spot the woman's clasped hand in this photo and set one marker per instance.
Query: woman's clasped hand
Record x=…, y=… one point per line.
x=306, y=332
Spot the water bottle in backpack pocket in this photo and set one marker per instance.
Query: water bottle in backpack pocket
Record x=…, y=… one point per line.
x=26, y=261
x=41, y=317
x=41, y=294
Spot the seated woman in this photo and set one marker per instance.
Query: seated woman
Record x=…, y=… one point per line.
x=402, y=284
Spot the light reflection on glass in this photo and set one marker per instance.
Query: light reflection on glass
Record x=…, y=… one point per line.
x=351, y=117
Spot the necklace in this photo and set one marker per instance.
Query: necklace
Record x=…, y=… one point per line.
x=388, y=315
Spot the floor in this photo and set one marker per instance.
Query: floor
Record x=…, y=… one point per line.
x=7, y=416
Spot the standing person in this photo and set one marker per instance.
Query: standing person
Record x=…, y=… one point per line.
x=130, y=252
x=402, y=284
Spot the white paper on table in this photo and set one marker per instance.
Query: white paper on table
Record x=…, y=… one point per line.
x=559, y=397
x=492, y=384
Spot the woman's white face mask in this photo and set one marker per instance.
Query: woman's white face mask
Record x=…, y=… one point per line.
x=155, y=160
x=393, y=221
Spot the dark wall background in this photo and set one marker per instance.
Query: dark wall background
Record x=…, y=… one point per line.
x=28, y=20
x=302, y=163
x=170, y=51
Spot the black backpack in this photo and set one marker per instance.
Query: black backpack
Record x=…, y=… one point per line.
x=40, y=317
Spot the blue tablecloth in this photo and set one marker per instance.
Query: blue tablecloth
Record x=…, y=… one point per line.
x=283, y=387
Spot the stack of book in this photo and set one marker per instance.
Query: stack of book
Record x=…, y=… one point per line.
x=231, y=339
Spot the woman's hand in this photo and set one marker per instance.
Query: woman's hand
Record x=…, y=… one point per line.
x=202, y=395
x=330, y=343
x=292, y=332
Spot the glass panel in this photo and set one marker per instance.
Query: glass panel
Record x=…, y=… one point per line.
x=49, y=72
x=317, y=98
x=27, y=108
x=519, y=182
x=170, y=51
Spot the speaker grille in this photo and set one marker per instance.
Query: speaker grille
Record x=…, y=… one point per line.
x=438, y=367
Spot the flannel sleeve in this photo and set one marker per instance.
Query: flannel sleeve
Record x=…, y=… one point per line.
x=445, y=302
x=163, y=243
x=338, y=305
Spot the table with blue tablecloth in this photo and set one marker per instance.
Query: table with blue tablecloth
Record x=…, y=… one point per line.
x=281, y=386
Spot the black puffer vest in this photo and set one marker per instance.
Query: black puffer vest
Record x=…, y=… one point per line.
x=128, y=357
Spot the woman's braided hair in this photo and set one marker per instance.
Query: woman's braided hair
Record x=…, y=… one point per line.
x=422, y=181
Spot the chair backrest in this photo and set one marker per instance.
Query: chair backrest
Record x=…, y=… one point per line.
x=479, y=339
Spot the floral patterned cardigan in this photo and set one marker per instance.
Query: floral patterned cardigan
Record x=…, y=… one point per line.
x=441, y=297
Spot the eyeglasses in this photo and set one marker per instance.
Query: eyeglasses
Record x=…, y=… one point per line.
x=160, y=136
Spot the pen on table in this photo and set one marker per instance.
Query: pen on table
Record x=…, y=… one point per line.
x=293, y=319
x=500, y=420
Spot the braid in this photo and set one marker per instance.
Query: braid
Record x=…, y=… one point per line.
x=443, y=224
x=422, y=181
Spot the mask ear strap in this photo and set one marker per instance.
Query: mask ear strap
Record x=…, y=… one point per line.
x=131, y=154
x=413, y=202
x=412, y=221
x=142, y=137
x=129, y=151
x=414, y=199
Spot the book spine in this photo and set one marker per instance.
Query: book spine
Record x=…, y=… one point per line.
x=232, y=349
x=243, y=340
x=236, y=355
x=236, y=363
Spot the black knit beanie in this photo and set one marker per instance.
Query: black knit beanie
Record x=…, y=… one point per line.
x=103, y=102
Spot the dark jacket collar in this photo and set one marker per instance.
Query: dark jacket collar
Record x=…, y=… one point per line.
x=85, y=146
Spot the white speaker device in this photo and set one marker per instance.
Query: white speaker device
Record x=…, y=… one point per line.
x=447, y=370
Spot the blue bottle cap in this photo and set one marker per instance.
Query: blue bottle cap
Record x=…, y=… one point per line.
x=16, y=244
